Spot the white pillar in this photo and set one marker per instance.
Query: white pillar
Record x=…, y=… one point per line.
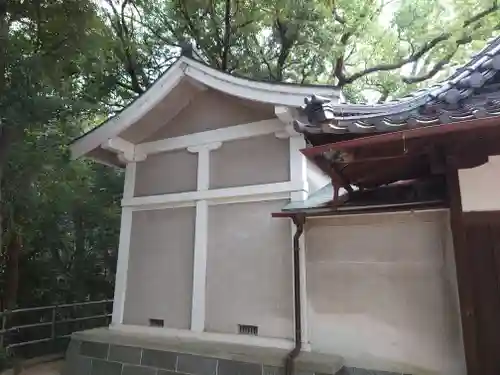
x=201, y=238
x=124, y=247
x=200, y=268
x=298, y=177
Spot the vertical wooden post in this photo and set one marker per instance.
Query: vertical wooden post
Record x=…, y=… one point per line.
x=462, y=263
x=53, y=327
x=106, y=318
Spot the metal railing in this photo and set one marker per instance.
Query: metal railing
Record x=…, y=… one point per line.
x=23, y=328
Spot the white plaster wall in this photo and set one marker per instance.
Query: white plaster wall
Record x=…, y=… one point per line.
x=209, y=110
x=190, y=108
x=479, y=186
x=160, y=273
x=451, y=284
x=316, y=179
x=167, y=172
x=249, y=269
x=252, y=161
x=382, y=294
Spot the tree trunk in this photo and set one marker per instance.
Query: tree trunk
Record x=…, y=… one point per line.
x=4, y=38
x=5, y=141
x=226, y=43
x=79, y=253
x=3, y=161
x=4, y=34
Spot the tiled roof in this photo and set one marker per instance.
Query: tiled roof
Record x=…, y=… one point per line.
x=473, y=91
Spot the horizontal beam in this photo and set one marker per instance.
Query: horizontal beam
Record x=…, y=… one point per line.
x=231, y=133
x=216, y=196
x=124, y=148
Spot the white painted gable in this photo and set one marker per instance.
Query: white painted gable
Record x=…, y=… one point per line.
x=172, y=93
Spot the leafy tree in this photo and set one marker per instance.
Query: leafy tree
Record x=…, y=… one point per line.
x=65, y=220
x=49, y=68
x=389, y=46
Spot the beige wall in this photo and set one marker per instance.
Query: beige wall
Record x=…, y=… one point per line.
x=249, y=271
x=480, y=186
x=381, y=292
x=252, y=161
x=168, y=172
x=316, y=178
x=162, y=113
x=159, y=283
x=209, y=110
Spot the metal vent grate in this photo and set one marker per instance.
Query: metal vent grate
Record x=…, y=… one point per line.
x=245, y=329
x=156, y=323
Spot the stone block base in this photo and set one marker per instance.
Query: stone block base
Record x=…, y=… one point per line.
x=118, y=356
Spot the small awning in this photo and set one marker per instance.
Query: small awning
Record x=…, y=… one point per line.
x=401, y=195
x=399, y=170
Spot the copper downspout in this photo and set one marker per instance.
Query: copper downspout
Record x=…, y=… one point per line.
x=299, y=221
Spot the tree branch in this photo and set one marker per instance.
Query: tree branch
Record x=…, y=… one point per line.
x=304, y=71
x=121, y=30
x=428, y=46
x=435, y=70
x=482, y=14
x=122, y=17
x=38, y=13
x=125, y=86
x=243, y=24
x=156, y=33
x=286, y=45
x=264, y=59
x=339, y=70
x=133, y=55
x=4, y=35
x=227, y=36
x=384, y=95
x=216, y=27
x=181, y=4
x=337, y=17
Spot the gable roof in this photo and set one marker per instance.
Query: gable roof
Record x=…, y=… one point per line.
x=472, y=92
x=286, y=94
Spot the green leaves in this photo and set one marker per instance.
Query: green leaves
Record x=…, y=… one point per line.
x=59, y=217
x=67, y=213
x=342, y=42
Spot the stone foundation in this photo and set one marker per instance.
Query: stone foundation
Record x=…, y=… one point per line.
x=118, y=357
